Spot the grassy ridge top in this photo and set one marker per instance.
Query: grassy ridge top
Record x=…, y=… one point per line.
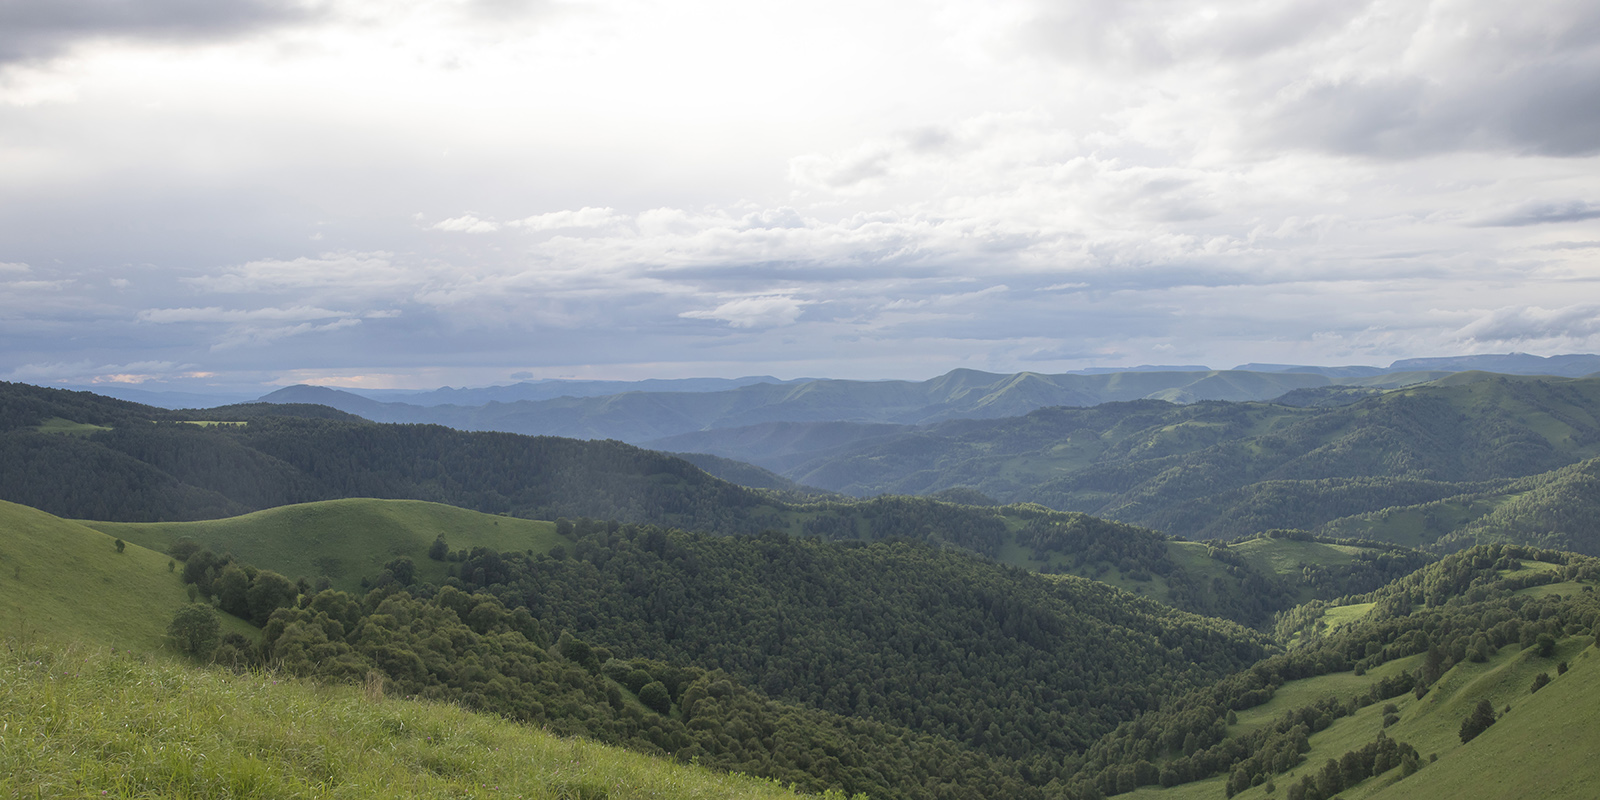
x=346, y=540
x=62, y=581
x=122, y=726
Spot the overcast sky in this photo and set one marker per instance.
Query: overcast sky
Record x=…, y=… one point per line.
x=412, y=193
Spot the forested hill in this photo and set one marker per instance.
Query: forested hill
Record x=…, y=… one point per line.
x=107, y=463
x=1219, y=470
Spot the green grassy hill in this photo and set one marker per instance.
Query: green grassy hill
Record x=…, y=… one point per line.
x=346, y=540
x=61, y=581
x=87, y=723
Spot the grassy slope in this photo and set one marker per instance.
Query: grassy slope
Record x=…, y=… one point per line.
x=84, y=723
x=62, y=581
x=346, y=540
x=1544, y=748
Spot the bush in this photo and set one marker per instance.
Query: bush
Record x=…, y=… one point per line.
x=655, y=697
x=194, y=629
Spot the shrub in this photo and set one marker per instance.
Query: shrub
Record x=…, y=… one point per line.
x=655, y=697
x=194, y=629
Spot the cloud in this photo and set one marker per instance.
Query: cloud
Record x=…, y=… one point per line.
x=586, y=217
x=1524, y=324
x=368, y=271
x=750, y=312
x=243, y=336
x=92, y=372
x=13, y=267
x=466, y=224
x=234, y=316
x=43, y=30
x=1541, y=213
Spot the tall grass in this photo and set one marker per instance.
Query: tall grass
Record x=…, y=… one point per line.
x=90, y=723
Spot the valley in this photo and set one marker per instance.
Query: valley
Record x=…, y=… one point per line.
x=1351, y=581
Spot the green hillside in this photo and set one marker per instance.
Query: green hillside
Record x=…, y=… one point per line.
x=1395, y=681
x=1559, y=509
x=346, y=540
x=159, y=470
x=1222, y=470
x=1544, y=748
x=63, y=582
x=86, y=723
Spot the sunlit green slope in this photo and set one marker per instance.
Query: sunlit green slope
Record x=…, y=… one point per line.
x=346, y=540
x=61, y=581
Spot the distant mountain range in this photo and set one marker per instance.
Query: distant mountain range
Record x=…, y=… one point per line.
x=640, y=416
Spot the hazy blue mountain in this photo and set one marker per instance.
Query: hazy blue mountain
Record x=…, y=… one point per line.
x=550, y=389
x=1573, y=365
x=638, y=416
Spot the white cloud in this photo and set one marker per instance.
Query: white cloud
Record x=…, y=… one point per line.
x=371, y=270
x=752, y=312
x=1519, y=325
x=586, y=217
x=216, y=314
x=245, y=336
x=467, y=223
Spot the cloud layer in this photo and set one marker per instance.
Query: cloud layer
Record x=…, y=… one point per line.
x=460, y=192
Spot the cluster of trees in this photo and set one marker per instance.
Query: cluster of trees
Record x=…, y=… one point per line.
x=239, y=589
x=1376, y=758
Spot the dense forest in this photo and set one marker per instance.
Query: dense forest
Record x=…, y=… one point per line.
x=788, y=657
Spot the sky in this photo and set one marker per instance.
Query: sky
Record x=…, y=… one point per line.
x=416, y=193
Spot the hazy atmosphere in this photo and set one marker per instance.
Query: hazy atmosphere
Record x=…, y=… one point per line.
x=406, y=194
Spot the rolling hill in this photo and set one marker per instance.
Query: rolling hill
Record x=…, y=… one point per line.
x=1213, y=470
x=346, y=540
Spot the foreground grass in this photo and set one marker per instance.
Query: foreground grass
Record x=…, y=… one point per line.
x=91, y=723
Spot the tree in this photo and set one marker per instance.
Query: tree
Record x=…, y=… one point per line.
x=121, y=545
x=194, y=629
x=1539, y=681
x=439, y=551
x=655, y=697
x=232, y=589
x=1477, y=722
x=268, y=593
x=403, y=569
